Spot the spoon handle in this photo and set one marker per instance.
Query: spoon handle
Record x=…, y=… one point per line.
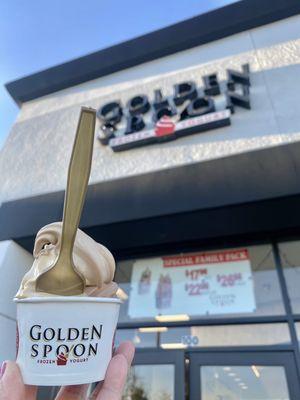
x=78, y=177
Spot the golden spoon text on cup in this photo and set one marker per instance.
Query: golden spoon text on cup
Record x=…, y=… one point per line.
x=62, y=278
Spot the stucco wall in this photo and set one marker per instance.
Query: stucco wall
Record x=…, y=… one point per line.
x=35, y=157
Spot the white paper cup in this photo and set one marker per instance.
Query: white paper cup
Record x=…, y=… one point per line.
x=65, y=340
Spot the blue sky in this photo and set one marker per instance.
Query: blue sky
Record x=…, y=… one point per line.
x=37, y=34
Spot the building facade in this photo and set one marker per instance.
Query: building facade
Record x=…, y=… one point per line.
x=195, y=188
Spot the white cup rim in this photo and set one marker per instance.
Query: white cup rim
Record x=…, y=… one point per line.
x=68, y=299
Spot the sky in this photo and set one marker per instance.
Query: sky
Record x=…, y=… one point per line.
x=38, y=34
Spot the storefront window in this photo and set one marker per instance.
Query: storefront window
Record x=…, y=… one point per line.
x=222, y=283
x=141, y=338
x=297, y=325
x=225, y=336
x=207, y=336
x=244, y=382
x=150, y=382
x=290, y=260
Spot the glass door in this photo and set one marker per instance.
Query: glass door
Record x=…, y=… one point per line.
x=243, y=376
x=156, y=375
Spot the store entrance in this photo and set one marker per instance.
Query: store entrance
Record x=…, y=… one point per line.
x=156, y=375
x=210, y=375
x=243, y=376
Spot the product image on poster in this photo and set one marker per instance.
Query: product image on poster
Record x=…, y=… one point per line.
x=163, y=294
x=145, y=282
x=194, y=284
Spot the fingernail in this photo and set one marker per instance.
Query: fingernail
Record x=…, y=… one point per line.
x=2, y=369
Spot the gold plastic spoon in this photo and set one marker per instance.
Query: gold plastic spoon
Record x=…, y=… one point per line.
x=62, y=278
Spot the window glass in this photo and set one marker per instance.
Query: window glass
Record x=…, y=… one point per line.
x=226, y=283
x=297, y=324
x=253, y=382
x=139, y=337
x=150, y=382
x=225, y=335
x=290, y=260
x=207, y=336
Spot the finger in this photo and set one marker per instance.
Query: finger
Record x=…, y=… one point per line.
x=12, y=386
x=127, y=350
x=73, y=392
x=115, y=378
x=96, y=391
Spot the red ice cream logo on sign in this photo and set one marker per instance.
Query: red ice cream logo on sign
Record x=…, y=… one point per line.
x=165, y=126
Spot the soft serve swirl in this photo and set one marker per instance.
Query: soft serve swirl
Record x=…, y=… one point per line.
x=91, y=259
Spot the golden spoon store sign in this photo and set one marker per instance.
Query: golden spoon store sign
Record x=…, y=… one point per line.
x=196, y=284
x=190, y=110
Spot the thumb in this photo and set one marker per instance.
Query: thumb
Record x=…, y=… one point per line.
x=12, y=386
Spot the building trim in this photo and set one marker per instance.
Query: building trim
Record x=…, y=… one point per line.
x=205, y=28
x=229, y=196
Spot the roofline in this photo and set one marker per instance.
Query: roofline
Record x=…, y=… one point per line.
x=205, y=28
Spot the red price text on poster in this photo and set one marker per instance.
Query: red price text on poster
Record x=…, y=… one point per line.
x=195, y=274
x=227, y=280
x=196, y=289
